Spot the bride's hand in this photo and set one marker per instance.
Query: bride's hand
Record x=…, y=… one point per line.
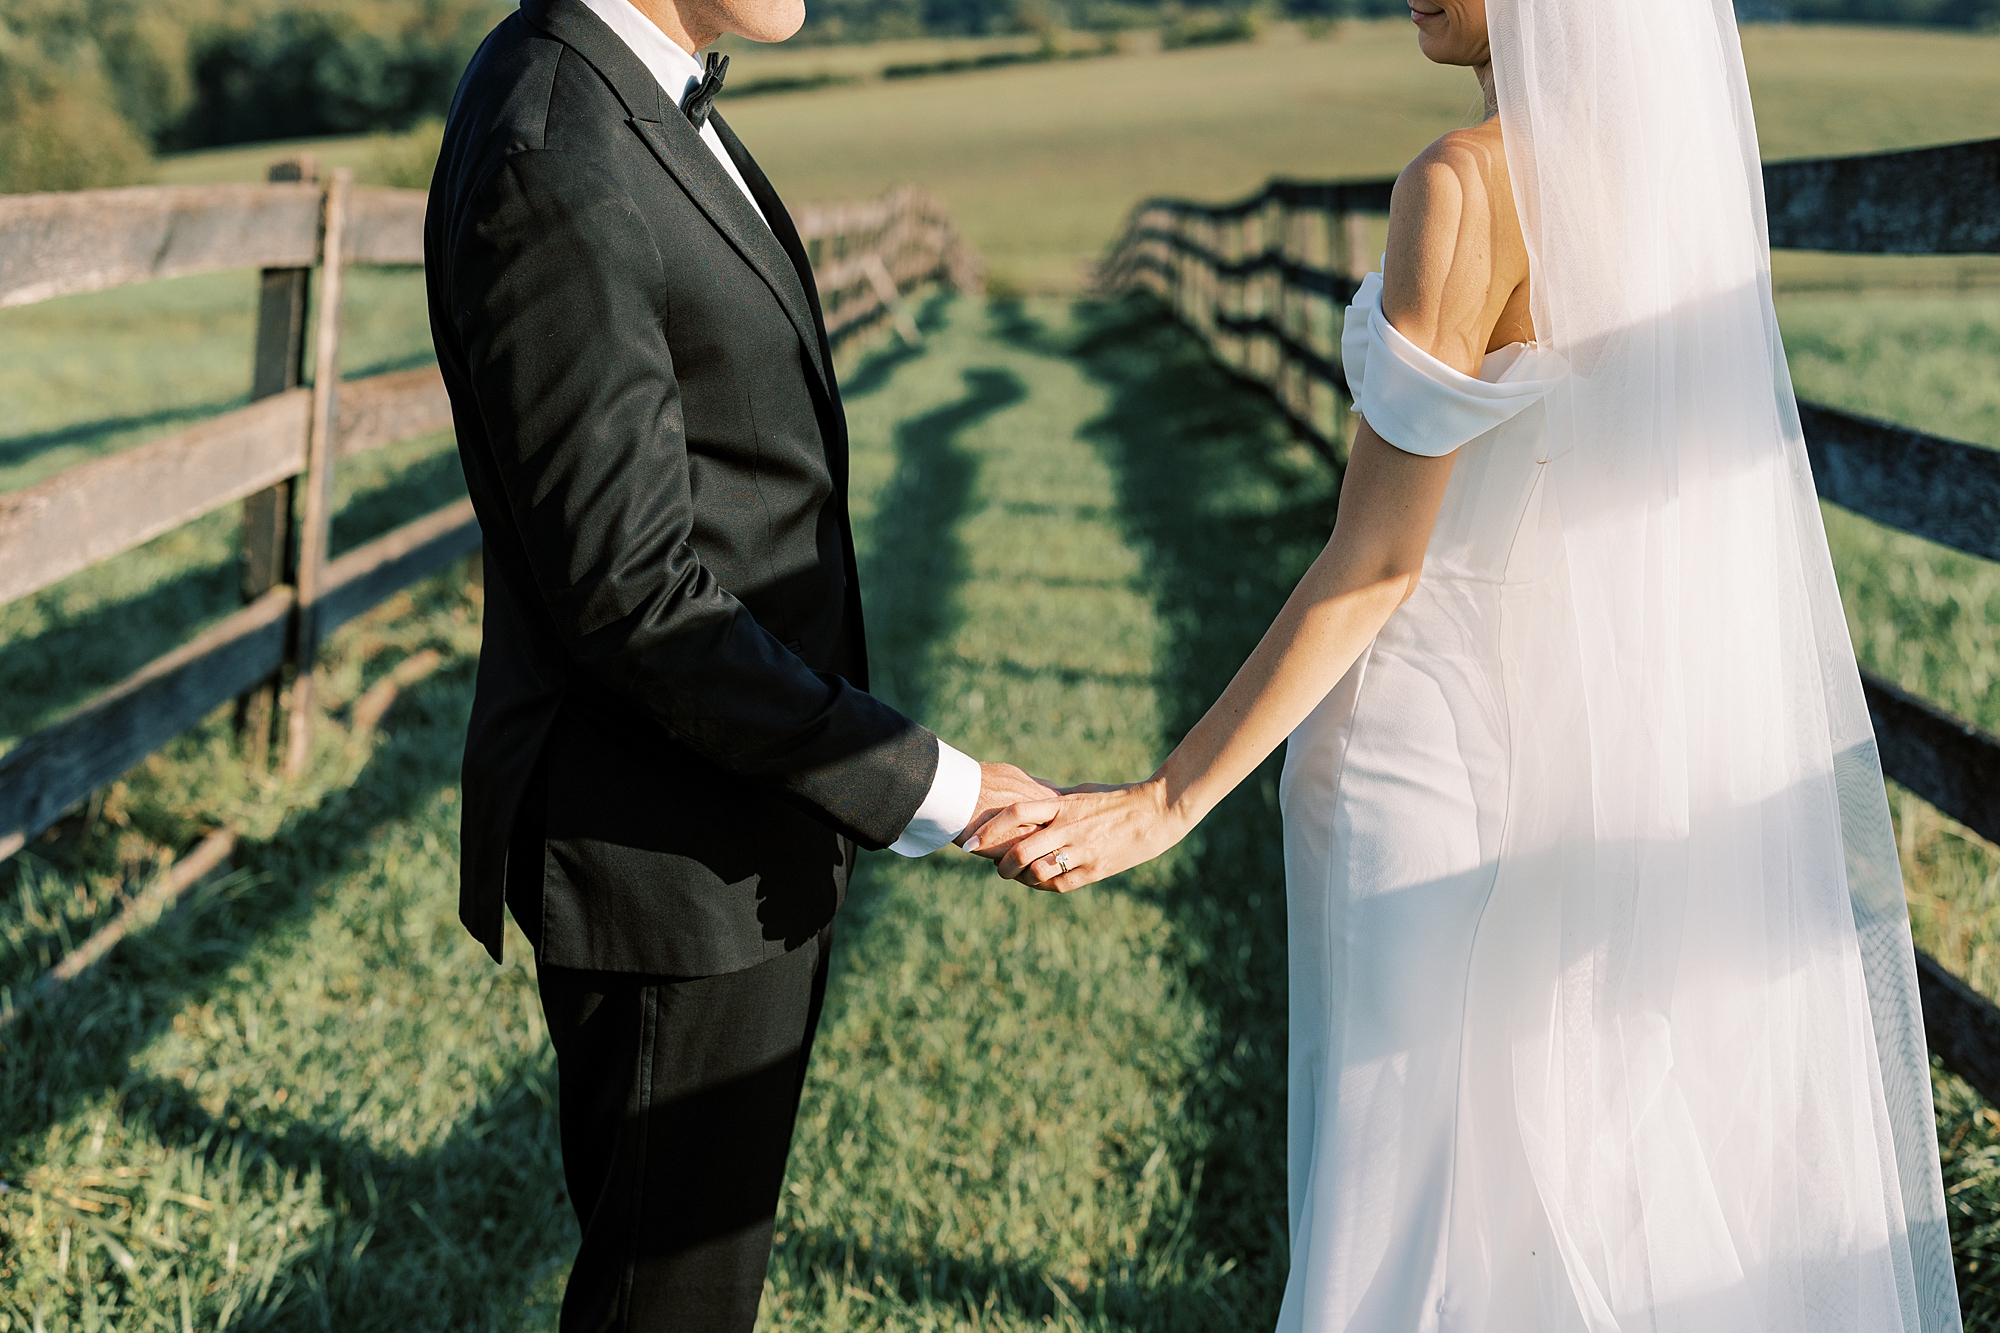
x=1083, y=836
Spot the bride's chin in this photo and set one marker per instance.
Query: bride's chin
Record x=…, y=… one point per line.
x=1439, y=51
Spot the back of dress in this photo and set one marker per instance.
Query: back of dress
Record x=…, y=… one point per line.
x=1715, y=1043
x=1604, y=1004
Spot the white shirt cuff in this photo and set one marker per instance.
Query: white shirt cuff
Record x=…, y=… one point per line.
x=952, y=802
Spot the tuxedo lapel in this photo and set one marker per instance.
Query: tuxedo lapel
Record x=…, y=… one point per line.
x=679, y=149
x=780, y=218
x=787, y=236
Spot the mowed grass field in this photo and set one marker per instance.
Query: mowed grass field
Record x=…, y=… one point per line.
x=306, y=1100
x=1041, y=163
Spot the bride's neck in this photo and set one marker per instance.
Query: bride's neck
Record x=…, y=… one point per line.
x=1484, y=73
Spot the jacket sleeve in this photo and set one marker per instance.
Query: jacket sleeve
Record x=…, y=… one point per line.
x=553, y=285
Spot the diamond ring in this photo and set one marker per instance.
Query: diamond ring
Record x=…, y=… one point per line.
x=1061, y=858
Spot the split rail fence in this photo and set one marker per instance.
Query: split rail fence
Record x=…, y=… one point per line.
x=277, y=455
x=1262, y=282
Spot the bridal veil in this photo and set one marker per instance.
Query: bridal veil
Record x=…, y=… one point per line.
x=1695, y=1005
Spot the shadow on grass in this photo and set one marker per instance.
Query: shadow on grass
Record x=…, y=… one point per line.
x=1229, y=511
x=390, y=364
x=880, y=366
x=461, y=1234
x=472, y=1227
x=917, y=564
x=80, y=652
x=478, y=1219
x=20, y=448
x=1121, y=1299
x=435, y=480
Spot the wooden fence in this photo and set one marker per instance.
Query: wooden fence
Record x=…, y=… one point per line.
x=1262, y=282
x=277, y=456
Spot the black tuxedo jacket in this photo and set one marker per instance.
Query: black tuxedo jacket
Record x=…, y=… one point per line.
x=671, y=752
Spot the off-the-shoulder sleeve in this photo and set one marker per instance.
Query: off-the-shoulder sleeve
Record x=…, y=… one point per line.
x=1413, y=400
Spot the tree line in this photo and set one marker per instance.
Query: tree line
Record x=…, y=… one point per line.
x=91, y=89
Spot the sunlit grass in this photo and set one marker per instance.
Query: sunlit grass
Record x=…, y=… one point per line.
x=307, y=1100
x=330, y=1110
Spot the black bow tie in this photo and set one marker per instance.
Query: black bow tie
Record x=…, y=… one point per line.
x=697, y=103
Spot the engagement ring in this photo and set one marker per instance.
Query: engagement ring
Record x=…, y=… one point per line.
x=1061, y=859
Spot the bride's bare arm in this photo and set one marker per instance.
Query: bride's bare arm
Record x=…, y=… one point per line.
x=1388, y=504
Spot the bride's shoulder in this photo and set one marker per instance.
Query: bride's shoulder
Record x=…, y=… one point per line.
x=1463, y=169
x=1446, y=272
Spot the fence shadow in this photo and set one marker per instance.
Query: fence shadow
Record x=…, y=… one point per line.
x=479, y=1219
x=1220, y=559
x=916, y=563
x=76, y=650
x=186, y=957
x=468, y=1231
x=418, y=487
x=17, y=449
x=880, y=365
x=476, y=1224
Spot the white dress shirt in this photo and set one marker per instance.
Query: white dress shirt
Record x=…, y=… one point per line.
x=954, y=795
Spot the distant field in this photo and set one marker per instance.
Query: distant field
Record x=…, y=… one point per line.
x=1041, y=163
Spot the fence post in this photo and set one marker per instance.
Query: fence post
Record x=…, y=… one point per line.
x=1280, y=244
x=1322, y=402
x=1186, y=277
x=277, y=365
x=1212, y=295
x=1256, y=244
x=317, y=520
x=1164, y=255
x=1232, y=290
x=1208, y=282
x=1278, y=241
x=1297, y=384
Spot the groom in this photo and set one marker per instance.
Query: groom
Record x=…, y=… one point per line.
x=671, y=754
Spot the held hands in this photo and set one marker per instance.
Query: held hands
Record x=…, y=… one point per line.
x=1082, y=835
x=1002, y=786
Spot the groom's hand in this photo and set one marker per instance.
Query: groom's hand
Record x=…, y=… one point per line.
x=1001, y=786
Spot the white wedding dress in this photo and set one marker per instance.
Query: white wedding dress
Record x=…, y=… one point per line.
x=1603, y=1005
x=1395, y=800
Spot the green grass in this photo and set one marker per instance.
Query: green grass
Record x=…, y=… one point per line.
x=308, y=1095
x=1929, y=619
x=1096, y=1081
x=1920, y=615
x=306, y=1100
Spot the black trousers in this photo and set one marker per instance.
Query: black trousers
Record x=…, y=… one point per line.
x=678, y=1097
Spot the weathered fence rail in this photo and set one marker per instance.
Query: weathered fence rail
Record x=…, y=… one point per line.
x=1262, y=280
x=278, y=454
x=864, y=255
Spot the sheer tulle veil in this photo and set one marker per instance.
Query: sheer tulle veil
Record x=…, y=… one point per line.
x=1694, y=980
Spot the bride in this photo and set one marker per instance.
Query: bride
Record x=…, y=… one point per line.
x=1603, y=1009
